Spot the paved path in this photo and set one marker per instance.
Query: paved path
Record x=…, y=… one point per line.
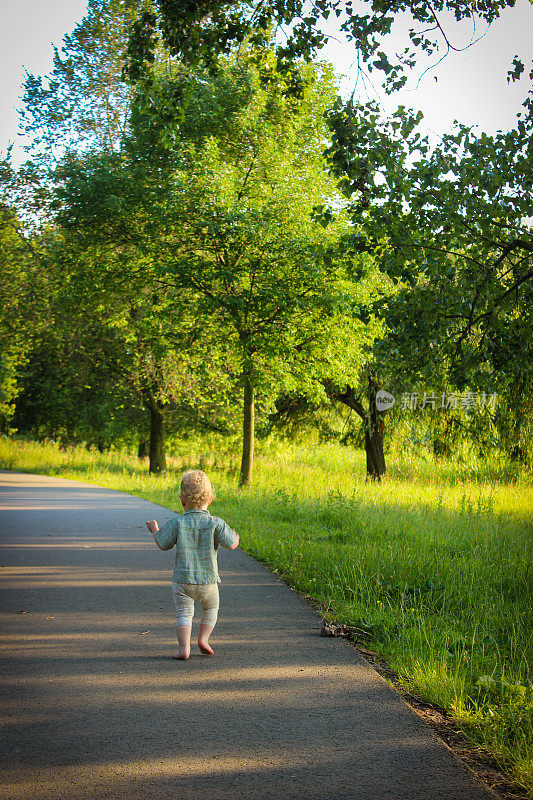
x=95, y=708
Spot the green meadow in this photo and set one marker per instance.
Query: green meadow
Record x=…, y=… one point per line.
x=433, y=566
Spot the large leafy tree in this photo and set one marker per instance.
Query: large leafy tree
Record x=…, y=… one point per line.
x=121, y=315
x=255, y=254
x=459, y=214
x=81, y=108
x=454, y=221
x=224, y=219
x=368, y=157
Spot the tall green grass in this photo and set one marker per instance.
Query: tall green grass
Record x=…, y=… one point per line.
x=433, y=567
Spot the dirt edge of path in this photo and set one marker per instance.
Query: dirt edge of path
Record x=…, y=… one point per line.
x=476, y=759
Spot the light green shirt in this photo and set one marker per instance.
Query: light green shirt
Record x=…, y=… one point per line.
x=197, y=536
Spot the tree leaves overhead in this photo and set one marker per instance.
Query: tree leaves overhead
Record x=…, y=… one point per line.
x=201, y=240
x=202, y=32
x=455, y=226
x=214, y=217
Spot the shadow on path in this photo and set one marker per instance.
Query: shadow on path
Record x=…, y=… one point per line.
x=95, y=707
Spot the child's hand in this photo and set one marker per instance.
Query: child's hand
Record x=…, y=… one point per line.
x=152, y=526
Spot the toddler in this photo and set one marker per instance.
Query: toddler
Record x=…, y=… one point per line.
x=197, y=536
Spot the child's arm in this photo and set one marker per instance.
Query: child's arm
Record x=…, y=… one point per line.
x=153, y=527
x=225, y=536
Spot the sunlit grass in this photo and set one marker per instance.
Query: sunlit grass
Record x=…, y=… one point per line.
x=434, y=566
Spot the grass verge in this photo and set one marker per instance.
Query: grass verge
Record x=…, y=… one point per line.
x=433, y=568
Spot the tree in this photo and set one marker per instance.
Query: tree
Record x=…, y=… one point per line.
x=100, y=209
x=22, y=296
x=251, y=182
x=82, y=103
x=203, y=33
x=455, y=225
x=84, y=170
x=221, y=222
x=117, y=313
x=372, y=419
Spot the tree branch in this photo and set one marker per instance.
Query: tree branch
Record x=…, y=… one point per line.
x=347, y=397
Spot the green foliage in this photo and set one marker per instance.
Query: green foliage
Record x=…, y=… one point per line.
x=22, y=302
x=10, y=364
x=214, y=219
x=66, y=398
x=202, y=219
x=202, y=33
x=279, y=278
x=122, y=324
x=451, y=227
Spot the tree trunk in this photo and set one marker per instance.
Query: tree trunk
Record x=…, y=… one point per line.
x=516, y=451
x=247, y=434
x=374, y=427
x=158, y=462
x=375, y=458
x=144, y=448
x=372, y=421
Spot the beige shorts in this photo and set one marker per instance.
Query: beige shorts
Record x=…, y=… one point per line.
x=184, y=596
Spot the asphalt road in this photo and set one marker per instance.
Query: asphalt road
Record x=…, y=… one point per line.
x=95, y=707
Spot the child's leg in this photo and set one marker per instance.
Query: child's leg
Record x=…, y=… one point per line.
x=184, y=614
x=184, y=641
x=209, y=601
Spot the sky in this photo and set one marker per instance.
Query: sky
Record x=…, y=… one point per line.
x=471, y=86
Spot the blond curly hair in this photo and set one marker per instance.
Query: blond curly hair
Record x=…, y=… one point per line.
x=195, y=489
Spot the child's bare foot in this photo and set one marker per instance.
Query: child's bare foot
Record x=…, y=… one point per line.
x=203, y=638
x=184, y=642
x=205, y=648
